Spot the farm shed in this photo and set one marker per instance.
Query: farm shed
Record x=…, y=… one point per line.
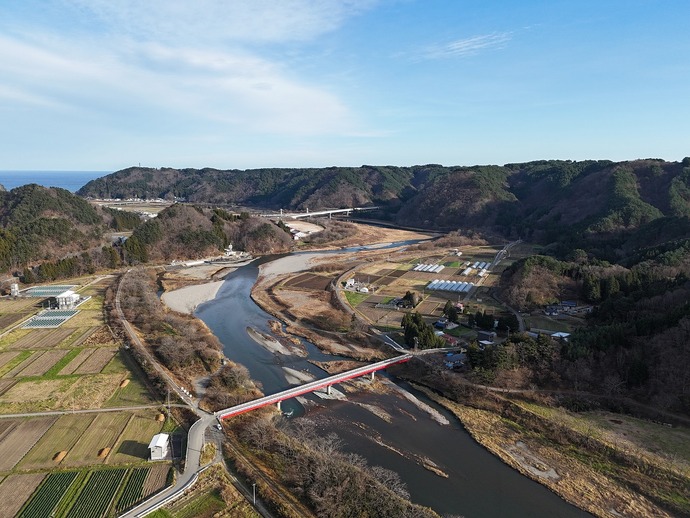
x=67, y=299
x=158, y=447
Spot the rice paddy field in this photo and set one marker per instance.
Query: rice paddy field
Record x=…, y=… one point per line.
x=72, y=464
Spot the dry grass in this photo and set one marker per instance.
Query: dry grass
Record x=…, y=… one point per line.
x=37, y=395
x=21, y=439
x=102, y=433
x=61, y=437
x=540, y=459
x=133, y=443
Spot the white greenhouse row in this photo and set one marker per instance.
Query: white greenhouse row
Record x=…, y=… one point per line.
x=440, y=285
x=431, y=268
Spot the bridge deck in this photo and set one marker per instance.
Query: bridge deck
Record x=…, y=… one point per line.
x=309, y=387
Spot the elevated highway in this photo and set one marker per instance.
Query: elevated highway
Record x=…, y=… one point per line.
x=328, y=212
x=290, y=393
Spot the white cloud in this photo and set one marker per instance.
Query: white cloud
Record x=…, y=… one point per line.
x=467, y=46
x=222, y=20
x=219, y=86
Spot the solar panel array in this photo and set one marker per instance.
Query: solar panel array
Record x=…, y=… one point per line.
x=50, y=318
x=453, y=286
x=47, y=291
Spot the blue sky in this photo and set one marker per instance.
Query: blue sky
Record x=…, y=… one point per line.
x=105, y=84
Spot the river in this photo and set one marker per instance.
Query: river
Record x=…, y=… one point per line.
x=386, y=429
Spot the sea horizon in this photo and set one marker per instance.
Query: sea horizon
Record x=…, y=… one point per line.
x=66, y=179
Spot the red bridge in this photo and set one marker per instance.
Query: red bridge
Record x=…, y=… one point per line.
x=310, y=387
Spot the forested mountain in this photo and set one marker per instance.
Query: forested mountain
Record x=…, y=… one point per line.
x=50, y=233
x=602, y=205
x=39, y=224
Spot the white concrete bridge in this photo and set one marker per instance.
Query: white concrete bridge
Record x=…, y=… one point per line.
x=328, y=212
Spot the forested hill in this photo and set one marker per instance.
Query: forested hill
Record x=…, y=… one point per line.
x=602, y=203
x=50, y=233
x=38, y=223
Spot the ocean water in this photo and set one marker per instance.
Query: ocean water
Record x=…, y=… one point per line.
x=70, y=180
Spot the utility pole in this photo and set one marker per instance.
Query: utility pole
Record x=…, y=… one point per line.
x=254, y=492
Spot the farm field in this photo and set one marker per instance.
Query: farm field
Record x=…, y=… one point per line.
x=133, y=443
x=60, y=437
x=86, y=494
x=15, y=490
x=78, y=365
x=40, y=338
x=20, y=438
x=103, y=433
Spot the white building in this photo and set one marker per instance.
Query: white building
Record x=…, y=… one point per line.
x=158, y=447
x=67, y=299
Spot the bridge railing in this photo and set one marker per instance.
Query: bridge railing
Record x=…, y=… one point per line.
x=309, y=387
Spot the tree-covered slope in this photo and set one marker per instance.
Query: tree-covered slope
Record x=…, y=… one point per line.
x=38, y=224
x=184, y=232
x=545, y=201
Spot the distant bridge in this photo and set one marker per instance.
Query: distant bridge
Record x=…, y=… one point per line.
x=310, y=387
x=329, y=213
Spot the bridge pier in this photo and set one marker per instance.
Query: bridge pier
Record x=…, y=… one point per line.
x=328, y=390
x=278, y=405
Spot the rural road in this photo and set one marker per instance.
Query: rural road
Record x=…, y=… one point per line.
x=192, y=468
x=195, y=436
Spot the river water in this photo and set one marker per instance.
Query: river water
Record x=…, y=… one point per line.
x=386, y=429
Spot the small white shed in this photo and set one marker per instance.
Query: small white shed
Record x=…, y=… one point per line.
x=158, y=447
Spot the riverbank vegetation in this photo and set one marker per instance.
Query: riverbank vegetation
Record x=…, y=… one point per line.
x=572, y=452
x=312, y=468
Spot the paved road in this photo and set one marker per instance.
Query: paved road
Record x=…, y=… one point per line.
x=195, y=436
x=86, y=411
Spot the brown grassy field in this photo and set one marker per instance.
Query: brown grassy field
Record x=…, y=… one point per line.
x=6, y=356
x=87, y=318
x=43, y=364
x=5, y=385
x=21, y=439
x=42, y=338
x=102, y=433
x=89, y=391
x=18, y=367
x=133, y=443
x=15, y=490
x=13, y=318
x=96, y=361
x=60, y=437
x=76, y=362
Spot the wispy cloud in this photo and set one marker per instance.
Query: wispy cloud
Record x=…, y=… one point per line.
x=222, y=20
x=466, y=46
x=196, y=60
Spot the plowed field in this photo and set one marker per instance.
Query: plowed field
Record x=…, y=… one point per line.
x=15, y=490
x=21, y=439
x=42, y=338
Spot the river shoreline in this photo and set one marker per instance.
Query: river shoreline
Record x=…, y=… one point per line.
x=269, y=272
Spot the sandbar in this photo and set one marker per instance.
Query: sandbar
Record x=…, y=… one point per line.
x=186, y=300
